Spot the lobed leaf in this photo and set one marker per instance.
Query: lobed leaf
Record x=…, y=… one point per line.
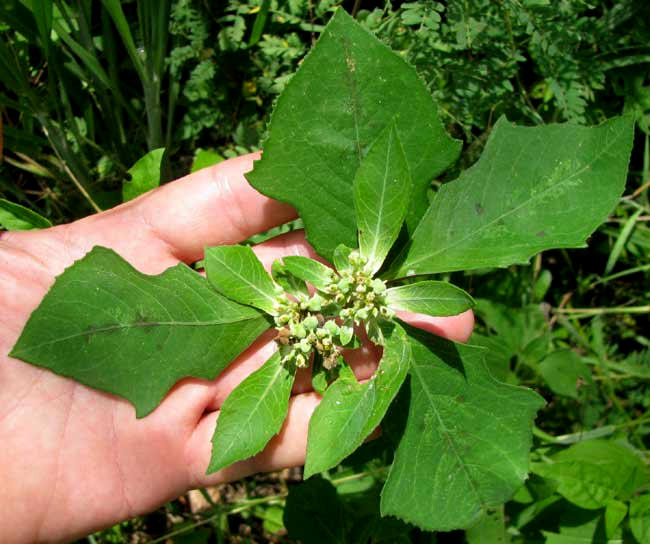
x=350, y=411
x=437, y=298
x=464, y=447
x=348, y=89
x=382, y=186
x=110, y=327
x=237, y=273
x=252, y=414
x=534, y=188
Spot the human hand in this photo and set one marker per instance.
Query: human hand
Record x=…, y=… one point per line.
x=75, y=459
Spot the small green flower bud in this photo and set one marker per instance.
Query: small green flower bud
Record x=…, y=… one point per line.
x=378, y=286
x=345, y=334
x=310, y=322
x=315, y=303
x=298, y=330
x=304, y=345
x=362, y=314
x=331, y=327
x=301, y=361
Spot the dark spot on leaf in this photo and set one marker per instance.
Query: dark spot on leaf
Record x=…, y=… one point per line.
x=541, y=234
x=479, y=209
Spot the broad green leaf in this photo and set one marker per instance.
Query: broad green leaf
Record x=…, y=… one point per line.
x=534, y=188
x=382, y=186
x=437, y=298
x=16, y=217
x=110, y=327
x=309, y=270
x=565, y=372
x=145, y=175
x=350, y=411
x=346, y=92
x=592, y=473
x=615, y=513
x=252, y=414
x=237, y=273
x=314, y=514
x=204, y=158
x=465, y=445
x=640, y=518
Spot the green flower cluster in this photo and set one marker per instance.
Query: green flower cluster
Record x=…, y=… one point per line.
x=350, y=297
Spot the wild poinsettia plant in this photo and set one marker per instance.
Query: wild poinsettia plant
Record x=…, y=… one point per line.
x=353, y=145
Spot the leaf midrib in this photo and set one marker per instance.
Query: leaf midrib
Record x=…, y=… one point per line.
x=269, y=386
x=245, y=280
x=142, y=324
x=444, y=430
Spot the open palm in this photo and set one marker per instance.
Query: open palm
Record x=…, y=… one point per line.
x=75, y=459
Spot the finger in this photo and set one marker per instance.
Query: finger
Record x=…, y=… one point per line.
x=456, y=327
x=286, y=449
x=173, y=223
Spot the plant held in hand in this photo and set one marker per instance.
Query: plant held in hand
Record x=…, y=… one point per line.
x=353, y=144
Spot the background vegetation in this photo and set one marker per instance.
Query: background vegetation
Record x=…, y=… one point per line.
x=88, y=87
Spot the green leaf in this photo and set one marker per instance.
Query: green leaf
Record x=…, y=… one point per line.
x=564, y=371
x=252, y=414
x=309, y=270
x=16, y=217
x=145, y=175
x=437, y=298
x=42, y=10
x=110, y=327
x=350, y=411
x=640, y=518
x=286, y=280
x=465, y=445
x=382, y=188
x=204, y=158
x=314, y=513
x=534, y=188
x=490, y=529
x=237, y=273
x=340, y=259
x=615, y=513
x=346, y=92
x=590, y=474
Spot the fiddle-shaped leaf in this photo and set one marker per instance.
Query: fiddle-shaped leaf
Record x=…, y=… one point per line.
x=110, y=327
x=534, y=188
x=346, y=92
x=309, y=270
x=464, y=448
